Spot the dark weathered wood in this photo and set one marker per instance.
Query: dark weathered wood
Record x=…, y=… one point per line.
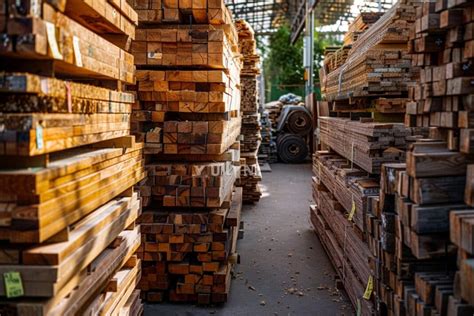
x=438, y=190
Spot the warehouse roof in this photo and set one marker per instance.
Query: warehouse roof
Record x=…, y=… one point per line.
x=266, y=16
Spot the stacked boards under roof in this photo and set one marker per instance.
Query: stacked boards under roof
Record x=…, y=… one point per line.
x=413, y=222
x=249, y=145
x=365, y=89
x=436, y=197
x=68, y=165
x=188, y=114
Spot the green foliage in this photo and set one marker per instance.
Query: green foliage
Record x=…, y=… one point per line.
x=284, y=64
x=321, y=41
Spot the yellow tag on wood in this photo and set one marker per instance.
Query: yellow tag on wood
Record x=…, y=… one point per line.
x=13, y=284
x=353, y=211
x=369, y=288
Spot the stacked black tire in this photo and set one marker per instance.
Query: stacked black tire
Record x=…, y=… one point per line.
x=295, y=124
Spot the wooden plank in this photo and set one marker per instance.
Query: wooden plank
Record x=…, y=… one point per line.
x=46, y=133
x=81, y=255
x=102, y=269
x=100, y=59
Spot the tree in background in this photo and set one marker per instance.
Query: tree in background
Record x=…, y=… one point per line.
x=283, y=62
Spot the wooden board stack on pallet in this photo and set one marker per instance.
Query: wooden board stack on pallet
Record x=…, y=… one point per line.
x=267, y=152
x=360, y=24
x=408, y=227
x=188, y=114
x=433, y=192
x=68, y=165
x=251, y=175
x=361, y=130
x=188, y=255
x=376, y=66
x=442, y=47
x=346, y=179
x=340, y=189
x=365, y=143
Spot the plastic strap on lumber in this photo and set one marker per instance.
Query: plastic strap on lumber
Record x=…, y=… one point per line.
x=340, y=79
x=352, y=155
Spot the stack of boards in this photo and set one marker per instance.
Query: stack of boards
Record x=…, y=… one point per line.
x=68, y=165
x=360, y=24
x=267, y=152
x=410, y=223
x=346, y=179
x=355, y=146
x=375, y=65
x=250, y=175
x=188, y=115
x=437, y=184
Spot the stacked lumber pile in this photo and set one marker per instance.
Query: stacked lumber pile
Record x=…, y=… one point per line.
x=68, y=211
x=182, y=12
x=363, y=85
x=188, y=256
x=378, y=63
x=365, y=143
x=340, y=193
x=345, y=184
x=274, y=110
x=188, y=114
x=251, y=175
x=360, y=24
x=442, y=50
x=433, y=196
x=190, y=184
x=267, y=152
x=375, y=63
x=51, y=37
x=419, y=226
x=208, y=46
x=409, y=226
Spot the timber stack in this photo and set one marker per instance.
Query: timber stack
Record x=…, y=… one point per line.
x=418, y=227
x=188, y=114
x=360, y=131
x=267, y=152
x=69, y=213
x=250, y=175
x=377, y=65
x=436, y=184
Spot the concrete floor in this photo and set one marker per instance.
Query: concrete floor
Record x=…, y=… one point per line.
x=284, y=269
